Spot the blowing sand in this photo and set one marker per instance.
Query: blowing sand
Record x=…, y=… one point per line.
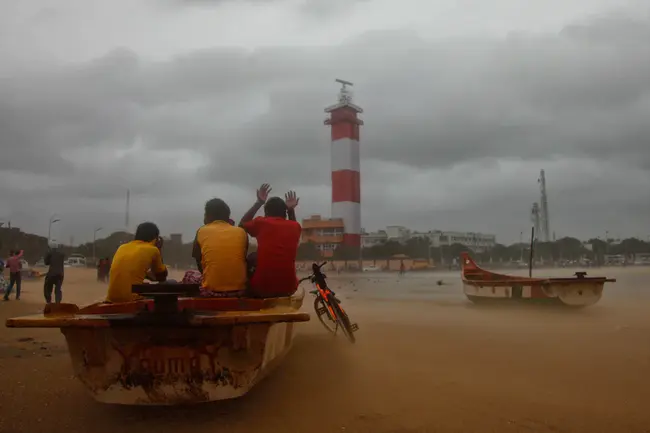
x=426, y=360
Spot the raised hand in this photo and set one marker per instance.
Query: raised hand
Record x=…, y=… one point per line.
x=263, y=192
x=291, y=200
x=159, y=242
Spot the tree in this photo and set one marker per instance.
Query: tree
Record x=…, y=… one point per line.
x=382, y=251
x=417, y=248
x=453, y=251
x=308, y=251
x=630, y=246
x=346, y=252
x=568, y=248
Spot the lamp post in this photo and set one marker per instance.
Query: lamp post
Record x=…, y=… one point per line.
x=94, y=242
x=53, y=219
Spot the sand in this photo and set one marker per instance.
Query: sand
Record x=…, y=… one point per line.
x=426, y=360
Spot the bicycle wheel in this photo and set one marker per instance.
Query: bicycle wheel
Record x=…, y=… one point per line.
x=324, y=315
x=343, y=320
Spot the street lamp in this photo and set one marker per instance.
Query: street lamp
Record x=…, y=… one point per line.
x=53, y=219
x=94, y=242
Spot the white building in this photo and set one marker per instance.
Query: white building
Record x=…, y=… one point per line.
x=478, y=242
x=371, y=239
x=398, y=233
x=392, y=233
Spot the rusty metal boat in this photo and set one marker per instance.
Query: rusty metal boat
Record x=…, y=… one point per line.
x=172, y=348
x=480, y=285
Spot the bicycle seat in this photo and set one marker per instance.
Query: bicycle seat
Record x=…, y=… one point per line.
x=313, y=292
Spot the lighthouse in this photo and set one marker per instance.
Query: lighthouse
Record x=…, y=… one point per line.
x=346, y=186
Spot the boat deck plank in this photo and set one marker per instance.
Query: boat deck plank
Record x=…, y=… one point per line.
x=200, y=319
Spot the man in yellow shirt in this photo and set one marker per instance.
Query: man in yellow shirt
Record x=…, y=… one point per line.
x=135, y=261
x=220, y=252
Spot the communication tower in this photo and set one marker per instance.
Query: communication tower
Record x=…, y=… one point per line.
x=544, y=218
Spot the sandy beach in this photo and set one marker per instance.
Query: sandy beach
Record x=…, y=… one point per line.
x=426, y=360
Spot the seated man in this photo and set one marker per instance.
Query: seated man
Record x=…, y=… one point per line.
x=220, y=252
x=277, y=244
x=134, y=261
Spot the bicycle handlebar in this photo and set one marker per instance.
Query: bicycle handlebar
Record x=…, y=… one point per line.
x=315, y=271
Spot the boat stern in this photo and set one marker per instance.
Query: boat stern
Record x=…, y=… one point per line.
x=164, y=366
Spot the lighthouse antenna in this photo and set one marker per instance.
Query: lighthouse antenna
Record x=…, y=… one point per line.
x=344, y=83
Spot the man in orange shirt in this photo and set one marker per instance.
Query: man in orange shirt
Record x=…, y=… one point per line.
x=220, y=253
x=136, y=261
x=278, y=236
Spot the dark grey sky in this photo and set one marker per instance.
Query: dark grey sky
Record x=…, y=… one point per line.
x=185, y=100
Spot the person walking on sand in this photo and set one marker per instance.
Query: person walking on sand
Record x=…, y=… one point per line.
x=3, y=282
x=103, y=268
x=14, y=264
x=54, y=277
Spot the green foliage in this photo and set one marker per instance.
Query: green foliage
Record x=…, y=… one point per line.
x=308, y=251
x=346, y=252
x=566, y=248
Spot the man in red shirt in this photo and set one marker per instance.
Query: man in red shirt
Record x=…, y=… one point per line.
x=278, y=236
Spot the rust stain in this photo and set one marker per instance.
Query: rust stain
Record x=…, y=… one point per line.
x=189, y=362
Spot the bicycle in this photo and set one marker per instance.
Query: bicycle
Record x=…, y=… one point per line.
x=328, y=306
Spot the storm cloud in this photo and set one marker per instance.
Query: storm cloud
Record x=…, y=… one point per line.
x=456, y=130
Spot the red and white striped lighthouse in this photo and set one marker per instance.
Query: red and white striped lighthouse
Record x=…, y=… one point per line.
x=346, y=186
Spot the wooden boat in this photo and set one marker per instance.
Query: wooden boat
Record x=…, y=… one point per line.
x=171, y=348
x=480, y=285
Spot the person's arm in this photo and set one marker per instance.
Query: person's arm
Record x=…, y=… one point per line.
x=20, y=254
x=48, y=259
x=196, y=253
x=158, y=269
x=250, y=214
x=291, y=200
x=262, y=195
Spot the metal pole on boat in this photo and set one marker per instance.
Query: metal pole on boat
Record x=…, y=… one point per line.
x=532, y=246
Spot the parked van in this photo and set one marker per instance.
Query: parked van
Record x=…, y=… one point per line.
x=76, y=261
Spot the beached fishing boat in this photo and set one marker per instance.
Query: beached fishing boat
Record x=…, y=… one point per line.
x=171, y=348
x=480, y=285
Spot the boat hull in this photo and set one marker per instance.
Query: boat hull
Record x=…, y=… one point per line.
x=481, y=286
x=575, y=295
x=210, y=349
x=165, y=366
